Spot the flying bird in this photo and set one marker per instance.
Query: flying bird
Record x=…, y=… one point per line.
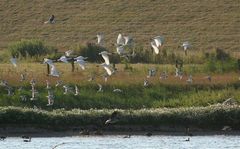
x=120, y=40
x=155, y=48
x=69, y=52
x=158, y=41
x=81, y=63
x=100, y=38
x=105, y=56
x=108, y=69
x=63, y=59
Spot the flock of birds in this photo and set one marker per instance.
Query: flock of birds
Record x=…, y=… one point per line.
x=121, y=43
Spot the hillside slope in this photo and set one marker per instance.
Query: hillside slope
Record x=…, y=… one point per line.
x=206, y=23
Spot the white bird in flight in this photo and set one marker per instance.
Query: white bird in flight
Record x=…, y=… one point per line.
x=120, y=50
x=47, y=61
x=69, y=52
x=105, y=56
x=100, y=38
x=80, y=58
x=120, y=40
x=108, y=69
x=81, y=63
x=63, y=59
x=158, y=40
x=155, y=48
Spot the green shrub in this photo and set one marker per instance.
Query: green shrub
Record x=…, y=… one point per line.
x=30, y=48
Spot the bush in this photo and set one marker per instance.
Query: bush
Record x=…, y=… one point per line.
x=91, y=51
x=31, y=48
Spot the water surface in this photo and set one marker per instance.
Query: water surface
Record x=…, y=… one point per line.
x=118, y=142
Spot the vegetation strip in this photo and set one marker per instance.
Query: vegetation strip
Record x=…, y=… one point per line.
x=212, y=117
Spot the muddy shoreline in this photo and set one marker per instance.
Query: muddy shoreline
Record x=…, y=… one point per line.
x=14, y=131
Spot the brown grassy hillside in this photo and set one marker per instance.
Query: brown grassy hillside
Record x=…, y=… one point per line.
x=206, y=23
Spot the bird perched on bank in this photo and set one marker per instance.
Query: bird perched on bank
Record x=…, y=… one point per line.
x=105, y=56
x=14, y=61
x=76, y=90
x=51, y=20
x=186, y=45
x=50, y=98
x=151, y=72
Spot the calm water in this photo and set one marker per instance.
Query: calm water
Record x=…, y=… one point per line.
x=118, y=142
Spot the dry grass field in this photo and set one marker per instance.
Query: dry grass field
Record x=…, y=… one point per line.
x=206, y=24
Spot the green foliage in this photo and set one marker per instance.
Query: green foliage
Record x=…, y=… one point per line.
x=29, y=48
x=220, y=62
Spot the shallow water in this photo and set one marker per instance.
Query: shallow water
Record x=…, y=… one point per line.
x=118, y=142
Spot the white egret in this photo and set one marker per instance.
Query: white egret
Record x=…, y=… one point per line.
x=81, y=63
x=47, y=61
x=14, y=61
x=80, y=58
x=108, y=69
x=120, y=50
x=100, y=38
x=120, y=40
x=69, y=52
x=54, y=71
x=158, y=40
x=105, y=56
x=155, y=48
x=63, y=59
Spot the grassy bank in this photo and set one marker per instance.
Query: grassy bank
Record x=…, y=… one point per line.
x=202, y=117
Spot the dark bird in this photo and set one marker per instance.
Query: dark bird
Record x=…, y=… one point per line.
x=3, y=138
x=113, y=118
